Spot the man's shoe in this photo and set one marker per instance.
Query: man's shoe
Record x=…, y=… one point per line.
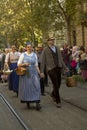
x=43, y=94
x=58, y=105
x=54, y=99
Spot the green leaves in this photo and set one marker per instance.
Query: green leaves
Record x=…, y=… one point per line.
x=78, y=78
x=22, y=20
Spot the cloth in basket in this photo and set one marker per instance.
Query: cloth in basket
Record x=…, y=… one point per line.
x=7, y=72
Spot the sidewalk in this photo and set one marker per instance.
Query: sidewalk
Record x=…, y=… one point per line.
x=75, y=95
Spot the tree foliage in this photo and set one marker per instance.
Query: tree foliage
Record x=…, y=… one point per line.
x=22, y=20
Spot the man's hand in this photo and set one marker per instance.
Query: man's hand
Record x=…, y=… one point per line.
x=67, y=69
x=42, y=75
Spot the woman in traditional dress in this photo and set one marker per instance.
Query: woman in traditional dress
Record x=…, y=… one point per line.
x=29, y=84
x=1, y=58
x=11, y=61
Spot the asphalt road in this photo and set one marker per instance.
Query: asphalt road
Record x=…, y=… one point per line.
x=72, y=115
x=7, y=119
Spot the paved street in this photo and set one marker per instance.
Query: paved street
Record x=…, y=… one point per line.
x=72, y=115
x=7, y=119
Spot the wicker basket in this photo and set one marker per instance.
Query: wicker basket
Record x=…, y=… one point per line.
x=20, y=71
x=7, y=72
x=1, y=71
x=71, y=82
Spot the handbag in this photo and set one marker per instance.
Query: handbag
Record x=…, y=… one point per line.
x=20, y=71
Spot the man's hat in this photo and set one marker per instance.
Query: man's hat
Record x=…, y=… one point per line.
x=50, y=38
x=39, y=46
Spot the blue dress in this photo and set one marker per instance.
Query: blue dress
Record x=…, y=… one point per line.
x=13, y=79
x=29, y=84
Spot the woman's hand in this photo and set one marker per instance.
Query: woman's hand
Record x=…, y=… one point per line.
x=6, y=66
x=42, y=75
x=26, y=64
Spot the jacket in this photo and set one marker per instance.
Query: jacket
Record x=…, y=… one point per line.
x=48, y=61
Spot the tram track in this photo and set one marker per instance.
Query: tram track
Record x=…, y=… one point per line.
x=79, y=107
x=84, y=88
x=80, y=86
x=14, y=113
x=71, y=103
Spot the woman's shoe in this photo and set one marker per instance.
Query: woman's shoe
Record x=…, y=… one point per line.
x=28, y=105
x=17, y=94
x=38, y=107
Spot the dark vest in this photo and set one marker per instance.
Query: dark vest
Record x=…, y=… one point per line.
x=55, y=56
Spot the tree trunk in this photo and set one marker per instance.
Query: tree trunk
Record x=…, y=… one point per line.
x=68, y=31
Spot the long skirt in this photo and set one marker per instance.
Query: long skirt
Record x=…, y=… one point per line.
x=29, y=86
x=13, y=78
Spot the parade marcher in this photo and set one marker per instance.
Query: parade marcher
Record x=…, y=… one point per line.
x=4, y=77
x=11, y=61
x=39, y=51
x=2, y=57
x=29, y=84
x=21, y=49
x=5, y=52
x=52, y=58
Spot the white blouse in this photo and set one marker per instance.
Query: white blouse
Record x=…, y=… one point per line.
x=30, y=55
x=12, y=57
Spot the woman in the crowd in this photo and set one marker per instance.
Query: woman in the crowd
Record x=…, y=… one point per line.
x=4, y=77
x=74, y=60
x=86, y=49
x=21, y=49
x=11, y=61
x=66, y=53
x=1, y=62
x=83, y=63
x=29, y=84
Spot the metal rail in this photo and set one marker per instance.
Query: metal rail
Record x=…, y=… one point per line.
x=15, y=114
x=81, y=108
x=66, y=101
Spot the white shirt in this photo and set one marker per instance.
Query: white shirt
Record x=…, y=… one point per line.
x=30, y=56
x=53, y=48
x=13, y=57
